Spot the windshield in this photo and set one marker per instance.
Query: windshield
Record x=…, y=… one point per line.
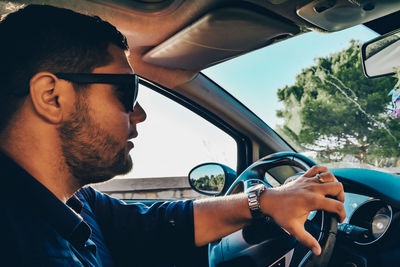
x=312, y=91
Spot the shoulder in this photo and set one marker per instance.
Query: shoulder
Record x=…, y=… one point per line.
x=30, y=238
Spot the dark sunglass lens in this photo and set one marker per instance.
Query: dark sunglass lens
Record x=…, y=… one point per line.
x=124, y=96
x=127, y=96
x=135, y=91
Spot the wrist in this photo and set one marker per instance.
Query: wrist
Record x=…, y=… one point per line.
x=267, y=202
x=255, y=197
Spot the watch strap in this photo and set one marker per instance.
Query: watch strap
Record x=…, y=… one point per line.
x=253, y=198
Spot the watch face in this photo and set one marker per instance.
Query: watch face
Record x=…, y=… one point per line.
x=255, y=187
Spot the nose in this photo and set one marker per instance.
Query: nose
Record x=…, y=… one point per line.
x=138, y=115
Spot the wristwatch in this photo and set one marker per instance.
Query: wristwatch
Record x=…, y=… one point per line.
x=253, y=197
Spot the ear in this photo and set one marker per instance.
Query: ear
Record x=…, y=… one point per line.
x=46, y=91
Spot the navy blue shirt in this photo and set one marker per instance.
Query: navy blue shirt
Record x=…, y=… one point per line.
x=93, y=229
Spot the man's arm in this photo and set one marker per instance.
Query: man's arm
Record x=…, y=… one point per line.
x=289, y=205
x=134, y=233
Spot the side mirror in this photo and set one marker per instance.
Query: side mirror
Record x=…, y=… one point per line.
x=381, y=56
x=212, y=179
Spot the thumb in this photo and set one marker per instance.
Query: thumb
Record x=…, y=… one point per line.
x=306, y=239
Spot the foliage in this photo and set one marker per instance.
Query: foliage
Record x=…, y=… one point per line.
x=377, y=46
x=335, y=110
x=210, y=184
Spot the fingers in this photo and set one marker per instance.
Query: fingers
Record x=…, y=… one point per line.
x=314, y=170
x=329, y=185
x=306, y=239
x=334, y=189
x=325, y=177
x=331, y=205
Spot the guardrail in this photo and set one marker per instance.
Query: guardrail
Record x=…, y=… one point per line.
x=149, y=188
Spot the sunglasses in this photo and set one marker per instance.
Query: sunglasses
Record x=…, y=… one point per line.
x=127, y=90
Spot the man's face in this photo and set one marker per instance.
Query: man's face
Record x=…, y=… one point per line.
x=95, y=137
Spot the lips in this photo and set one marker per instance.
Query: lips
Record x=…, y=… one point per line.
x=133, y=133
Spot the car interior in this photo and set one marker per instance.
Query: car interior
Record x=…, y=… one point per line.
x=172, y=41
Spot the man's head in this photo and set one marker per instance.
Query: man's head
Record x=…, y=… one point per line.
x=91, y=119
x=45, y=38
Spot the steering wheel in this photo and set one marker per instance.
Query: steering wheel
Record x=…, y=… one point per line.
x=264, y=243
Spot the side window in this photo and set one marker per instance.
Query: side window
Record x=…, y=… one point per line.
x=171, y=141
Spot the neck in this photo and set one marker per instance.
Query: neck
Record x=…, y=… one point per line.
x=41, y=160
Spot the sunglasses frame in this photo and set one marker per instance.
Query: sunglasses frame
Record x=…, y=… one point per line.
x=104, y=78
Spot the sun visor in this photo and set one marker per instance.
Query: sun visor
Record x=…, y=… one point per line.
x=335, y=15
x=217, y=36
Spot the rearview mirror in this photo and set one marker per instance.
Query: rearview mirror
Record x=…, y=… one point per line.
x=211, y=179
x=381, y=56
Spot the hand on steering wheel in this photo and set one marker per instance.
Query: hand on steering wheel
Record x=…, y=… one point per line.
x=263, y=242
x=293, y=201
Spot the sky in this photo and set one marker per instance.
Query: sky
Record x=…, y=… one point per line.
x=255, y=78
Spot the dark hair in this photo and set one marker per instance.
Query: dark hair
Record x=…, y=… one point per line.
x=46, y=38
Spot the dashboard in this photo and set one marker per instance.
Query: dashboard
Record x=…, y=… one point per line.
x=367, y=218
x=368, y=235
x=353, y=202
x=369, y=232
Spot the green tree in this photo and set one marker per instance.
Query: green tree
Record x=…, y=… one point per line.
x=335, y=110
x=213, y=183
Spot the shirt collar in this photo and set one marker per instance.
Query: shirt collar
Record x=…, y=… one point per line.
x=65, y=220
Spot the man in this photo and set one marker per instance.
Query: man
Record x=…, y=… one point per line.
x=68, y=108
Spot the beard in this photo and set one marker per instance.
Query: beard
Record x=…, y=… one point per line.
x=90, y=153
